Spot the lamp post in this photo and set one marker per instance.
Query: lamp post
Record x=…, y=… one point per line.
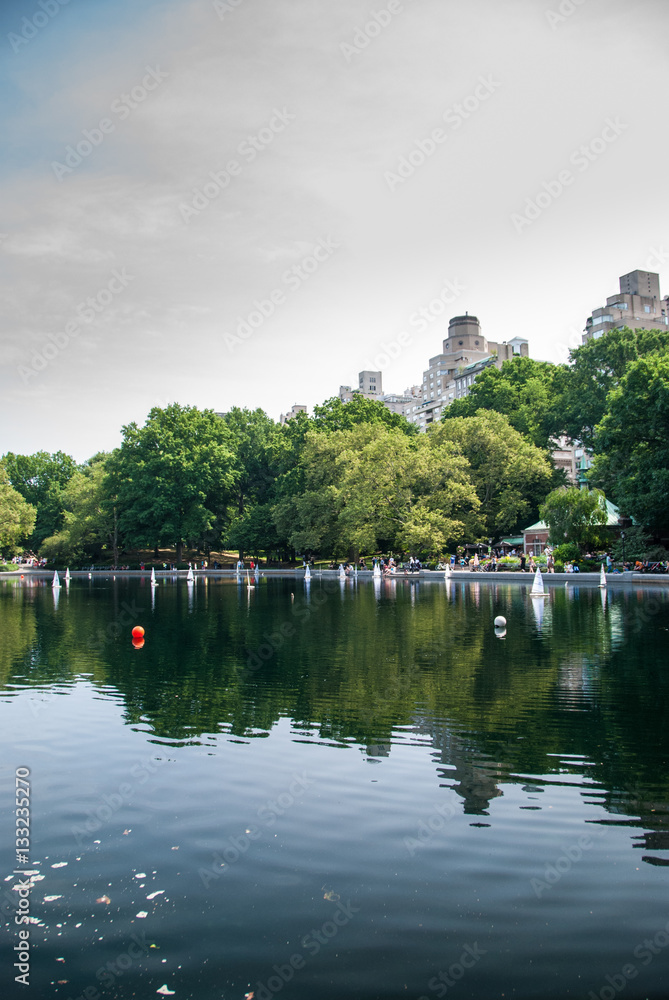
x=622, y=539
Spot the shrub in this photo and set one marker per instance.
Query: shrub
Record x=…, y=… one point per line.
x=567, y=552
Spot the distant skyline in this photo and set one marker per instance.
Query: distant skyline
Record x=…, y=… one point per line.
x=237, y=203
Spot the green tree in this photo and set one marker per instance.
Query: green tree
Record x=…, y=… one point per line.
x=510, y=474
x=90, y=523
x=372, y=487
x=596, y=369
x=41, y=479
x=410, y=494
x=632, y=443
x=260, y=456
x=575, y=515
x=17, y=517
x=523, y=389
x=174, y=477
x=334, y=415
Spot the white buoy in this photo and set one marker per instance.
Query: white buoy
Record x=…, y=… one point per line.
x=500, y=621
x=56, y=579
x=602, y=578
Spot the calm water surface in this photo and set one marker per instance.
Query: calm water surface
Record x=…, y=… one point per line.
x=343, y=793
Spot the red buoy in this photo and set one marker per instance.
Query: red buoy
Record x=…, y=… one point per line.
x=137, y=632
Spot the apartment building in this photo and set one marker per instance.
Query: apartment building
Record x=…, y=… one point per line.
x=451, y=374
x=637, y=305
x=294, y=410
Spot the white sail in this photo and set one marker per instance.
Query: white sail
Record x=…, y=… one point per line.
x=190, y=576
x=377, y=571
x=56, y=579
x=67, y=575
x=153, y=577
x=602, y=577
x=342, y=572
x=538, y=585
x=307, y=575
x=447, y=572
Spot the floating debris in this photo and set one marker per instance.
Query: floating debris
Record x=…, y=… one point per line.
x=142, y=914
x=153, y=895
x=165, y=991
x=50, y=899
x=141, y=875
x=103, y=899
x=60, y=864
x=126, y=832
x=332, y=897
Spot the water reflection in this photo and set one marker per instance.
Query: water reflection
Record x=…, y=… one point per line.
x=578, y=685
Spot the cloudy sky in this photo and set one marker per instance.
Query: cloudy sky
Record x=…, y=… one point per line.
x=245, y=202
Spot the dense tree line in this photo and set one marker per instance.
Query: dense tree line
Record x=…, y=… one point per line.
x=356, y=478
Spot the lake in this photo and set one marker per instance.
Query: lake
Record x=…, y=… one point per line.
x=344, y=792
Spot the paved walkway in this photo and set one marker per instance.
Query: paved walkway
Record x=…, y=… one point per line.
x=456, y=576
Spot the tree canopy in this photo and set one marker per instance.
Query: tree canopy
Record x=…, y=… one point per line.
x=596, y=369
x=575, y=515
x=41, y=479
x=511, y=476
x=523, y=390
x=632, y=443
x=334, y=415
x=174, y=477
x=17, y=517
